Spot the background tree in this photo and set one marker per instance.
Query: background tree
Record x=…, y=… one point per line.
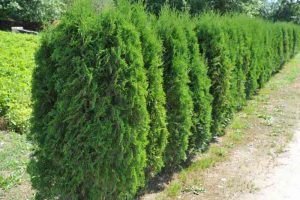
x=287, y=10
x=37, y=11
x=249, y=7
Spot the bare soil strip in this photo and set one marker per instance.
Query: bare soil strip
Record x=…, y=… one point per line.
x=282, y=183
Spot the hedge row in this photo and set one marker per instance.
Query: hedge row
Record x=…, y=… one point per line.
x=120, y=95
x=242, y=54
x=16, y=66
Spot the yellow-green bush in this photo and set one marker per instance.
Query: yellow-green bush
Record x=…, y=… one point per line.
x=16, y=66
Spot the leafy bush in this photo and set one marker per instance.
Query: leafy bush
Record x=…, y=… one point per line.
x=16, y=66
x=37, y=11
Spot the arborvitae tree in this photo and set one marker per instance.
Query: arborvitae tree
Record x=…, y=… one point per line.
x=252, y=76
x=199, y=86
x=213, y=42
x=235, y=47
x=156, y=100
x=278, y=41
x=176, y=86
x=291, y=42
x=241, y=69
x=90, y=112
x=285, y=43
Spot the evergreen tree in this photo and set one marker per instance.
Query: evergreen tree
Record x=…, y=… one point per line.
x=90, y=114
x=176, y=85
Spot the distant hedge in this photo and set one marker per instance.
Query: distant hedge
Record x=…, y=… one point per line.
x=120, y=95
x=242, y=54
x=16, y=67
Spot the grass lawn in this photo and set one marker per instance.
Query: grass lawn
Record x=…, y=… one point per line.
x=14, y=156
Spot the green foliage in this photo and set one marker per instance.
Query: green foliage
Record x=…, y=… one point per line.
x=120, y=94
x=286, y=10
x=90, y=113
x=214, y=45
x=16, y=66
x=249, y=7
x=156, y=100
x=37, y=11
x=242, y=54
x=176, y=85
x=155, y=6
x=199, y=86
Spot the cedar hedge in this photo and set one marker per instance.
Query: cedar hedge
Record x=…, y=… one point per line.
x=152, y=53
x=176, y=85
x=120, y=94
x=90, y=113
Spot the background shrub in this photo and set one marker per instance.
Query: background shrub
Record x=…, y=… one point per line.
x=16, y=66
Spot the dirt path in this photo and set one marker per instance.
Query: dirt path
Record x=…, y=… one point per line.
x=256, y=159
x=283, y=182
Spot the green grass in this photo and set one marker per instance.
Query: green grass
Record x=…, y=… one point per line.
x=174, y=189
x=14, y=154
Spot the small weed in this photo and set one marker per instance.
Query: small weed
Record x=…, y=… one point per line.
x=268, y=120
x=202, y=164
x=174, y=189
x=252, y=187
x=194, y=190
x=238, y=123
x=236, y=136
x=229, y=145
x=250, y=108
x=280, y=149
x=219, y=151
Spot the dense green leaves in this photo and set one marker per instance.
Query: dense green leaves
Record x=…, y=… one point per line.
x=286, y=10
x=242, y=54
x=156, y=100
x=120, y=95
x=199, y=86
x=214, y=43
x=176, y=85
x=91, y=119
x=16, y=66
